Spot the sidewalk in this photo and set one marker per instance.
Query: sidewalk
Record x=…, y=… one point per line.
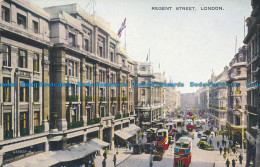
x=120, y=157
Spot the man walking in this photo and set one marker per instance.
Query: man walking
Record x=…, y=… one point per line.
x=220, y=150
x=114, y=159
x=240, y=159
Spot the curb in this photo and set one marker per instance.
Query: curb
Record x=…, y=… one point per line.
x=123, y=160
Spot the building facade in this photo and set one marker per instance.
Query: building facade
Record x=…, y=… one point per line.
x=71, y=82
x=24, y=61
x=253, y=77
x=148, y=97
x=237, y=116
x=218, y=100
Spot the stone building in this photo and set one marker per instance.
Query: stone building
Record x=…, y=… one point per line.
x=236, y=96
x=24, y=60
x=87, y=99
x=253, y=77
x=218, y=99
x=148, y=97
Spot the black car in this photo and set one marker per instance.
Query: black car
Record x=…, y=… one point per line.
x=149, y=148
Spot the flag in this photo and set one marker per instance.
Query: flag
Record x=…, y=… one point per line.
x=147, y=58
x=121, y=28
x=159, y=65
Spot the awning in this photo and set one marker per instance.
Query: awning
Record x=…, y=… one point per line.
x=128, y=132
x=44, y=159
x=132, y=129
x=81, y=150
x=122, y=134
x=54, y=157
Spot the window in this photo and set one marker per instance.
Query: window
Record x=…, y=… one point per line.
x=143, y=92
x=71, y=68
x=35, y=27
x=7, y=56
x=72, y=40
x=5, y=14
x=76, y=69
x=123, y=62
x=100, y=51
x=22, y=54
x=238, y=71
x=36, y=91
x=24, y=123
x=66, y=67
x=7, y=121
x=111, y=57
x=36, y=118
x=7, y=90
x=86, y=45
x=36, y=62
x=143, y=68
x=24, y=91
x=21, y=20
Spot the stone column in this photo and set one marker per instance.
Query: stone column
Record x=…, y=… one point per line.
x=47, y=146
x=95, y=40
x=112, y=137
x=257, y=147
x=101, y=133
x=109, y=92
x=83, y=90
x=97, y=88
x=120, y=107
x=46, y=90
x=59, y=100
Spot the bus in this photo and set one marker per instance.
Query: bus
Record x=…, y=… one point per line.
x=171, y=133
x=178, y=123
x=162, y=138
x=189, y=125
x=151, y=135
x=159, y=125
x=182, y=152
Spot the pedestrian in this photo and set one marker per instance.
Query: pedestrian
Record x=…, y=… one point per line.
x=233, y=163
x=127, y=146
x=215, y=134
x=227, y=162
x=210, y=141
x=218, y=142
x=228, y=150
x=223, y=137
x=105, y=154
x=240, y=159
x=93, y=164
x=104, y=163
x=220, y=150
x=114, y=159
x=223, y=142
x=151, y=160
x=224, y=155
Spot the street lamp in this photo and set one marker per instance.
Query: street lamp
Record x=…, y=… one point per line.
x=243, y=113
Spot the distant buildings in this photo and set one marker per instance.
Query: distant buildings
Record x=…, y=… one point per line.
x=188, y=100
x=218, y=100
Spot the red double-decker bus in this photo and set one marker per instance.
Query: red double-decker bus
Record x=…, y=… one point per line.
x=182, y=152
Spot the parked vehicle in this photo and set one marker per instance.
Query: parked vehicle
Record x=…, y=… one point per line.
x=137, y=148
x=149, y=148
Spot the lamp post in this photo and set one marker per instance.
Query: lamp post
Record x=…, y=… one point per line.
x=243, y=113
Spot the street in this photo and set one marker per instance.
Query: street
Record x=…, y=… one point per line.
x=200, y=158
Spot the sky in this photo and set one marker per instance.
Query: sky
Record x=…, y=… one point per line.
x=188, y=44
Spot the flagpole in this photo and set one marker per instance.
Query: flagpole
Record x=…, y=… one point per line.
x=125, y=38
x=149, y=56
